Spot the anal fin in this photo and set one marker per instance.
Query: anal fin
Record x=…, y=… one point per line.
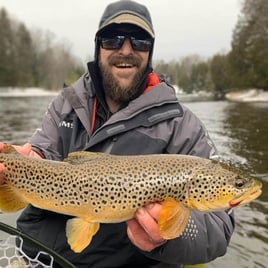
x=173, y=218
x=79, y=233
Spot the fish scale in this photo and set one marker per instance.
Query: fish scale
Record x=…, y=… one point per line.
x=101, y=188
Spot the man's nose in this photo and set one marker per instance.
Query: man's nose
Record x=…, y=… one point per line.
x=126, y=48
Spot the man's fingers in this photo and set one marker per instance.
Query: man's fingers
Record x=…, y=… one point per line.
x=154, y=210
x=143, y=229
x=138, y=236
x=2, y=173
x=24, y=149
x=2, y=145
x=147, y=218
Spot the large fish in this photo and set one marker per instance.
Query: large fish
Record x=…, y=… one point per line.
x=101, y=188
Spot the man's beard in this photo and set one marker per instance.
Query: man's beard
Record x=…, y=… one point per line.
x=111, y=85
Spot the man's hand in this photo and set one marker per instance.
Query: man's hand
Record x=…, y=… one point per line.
x=143, y=229
x=2, y=173
x=26, y=149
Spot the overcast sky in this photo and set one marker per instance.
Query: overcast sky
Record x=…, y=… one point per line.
x=183, y=27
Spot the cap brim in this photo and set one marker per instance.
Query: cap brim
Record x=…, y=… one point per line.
x=131, y=19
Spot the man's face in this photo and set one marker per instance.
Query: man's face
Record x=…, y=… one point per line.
x=122, y=68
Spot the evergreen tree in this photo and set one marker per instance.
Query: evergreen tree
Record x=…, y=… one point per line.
x=7, y=50
x=219, y=71
x=249, y=56
x=23, y=56
x=30, y=59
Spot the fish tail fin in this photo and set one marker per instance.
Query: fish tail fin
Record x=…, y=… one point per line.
x=173, y=218
x=10, y=201
x=79, y=233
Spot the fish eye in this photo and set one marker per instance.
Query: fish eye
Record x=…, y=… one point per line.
x=239, y=182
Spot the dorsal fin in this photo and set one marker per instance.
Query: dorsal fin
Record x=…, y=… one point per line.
x=83, y=156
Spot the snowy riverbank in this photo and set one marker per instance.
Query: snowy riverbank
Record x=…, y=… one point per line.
x=25, y=92
x=251, y=95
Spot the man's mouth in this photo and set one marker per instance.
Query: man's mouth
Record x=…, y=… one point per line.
x=124, y=61
x=124, y=65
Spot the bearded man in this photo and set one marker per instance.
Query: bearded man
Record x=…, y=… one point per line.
x=120, y=106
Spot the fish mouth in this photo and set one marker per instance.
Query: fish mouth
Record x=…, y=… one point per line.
x=248, y=196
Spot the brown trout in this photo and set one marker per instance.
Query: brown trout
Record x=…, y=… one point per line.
x=101, y=188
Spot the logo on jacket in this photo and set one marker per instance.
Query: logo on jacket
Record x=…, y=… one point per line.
x=66, y=124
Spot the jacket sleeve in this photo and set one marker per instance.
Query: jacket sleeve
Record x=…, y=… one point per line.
x=205, y=238
x=207, y=235
x=190, y=137
x=45, y=139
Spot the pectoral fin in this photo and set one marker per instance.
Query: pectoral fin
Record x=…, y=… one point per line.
x=9, y=200
x=79, y=233
x=173, y=218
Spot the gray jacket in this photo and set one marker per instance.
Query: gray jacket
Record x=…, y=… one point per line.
x=152, y=123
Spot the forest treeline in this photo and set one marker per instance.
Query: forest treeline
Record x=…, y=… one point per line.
x=32, y=58
x=245, y=66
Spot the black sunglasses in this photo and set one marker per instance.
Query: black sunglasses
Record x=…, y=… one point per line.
x=116, y=42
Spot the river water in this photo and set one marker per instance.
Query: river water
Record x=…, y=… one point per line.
x=240, y=132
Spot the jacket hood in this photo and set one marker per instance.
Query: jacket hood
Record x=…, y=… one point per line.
x=125, y=12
